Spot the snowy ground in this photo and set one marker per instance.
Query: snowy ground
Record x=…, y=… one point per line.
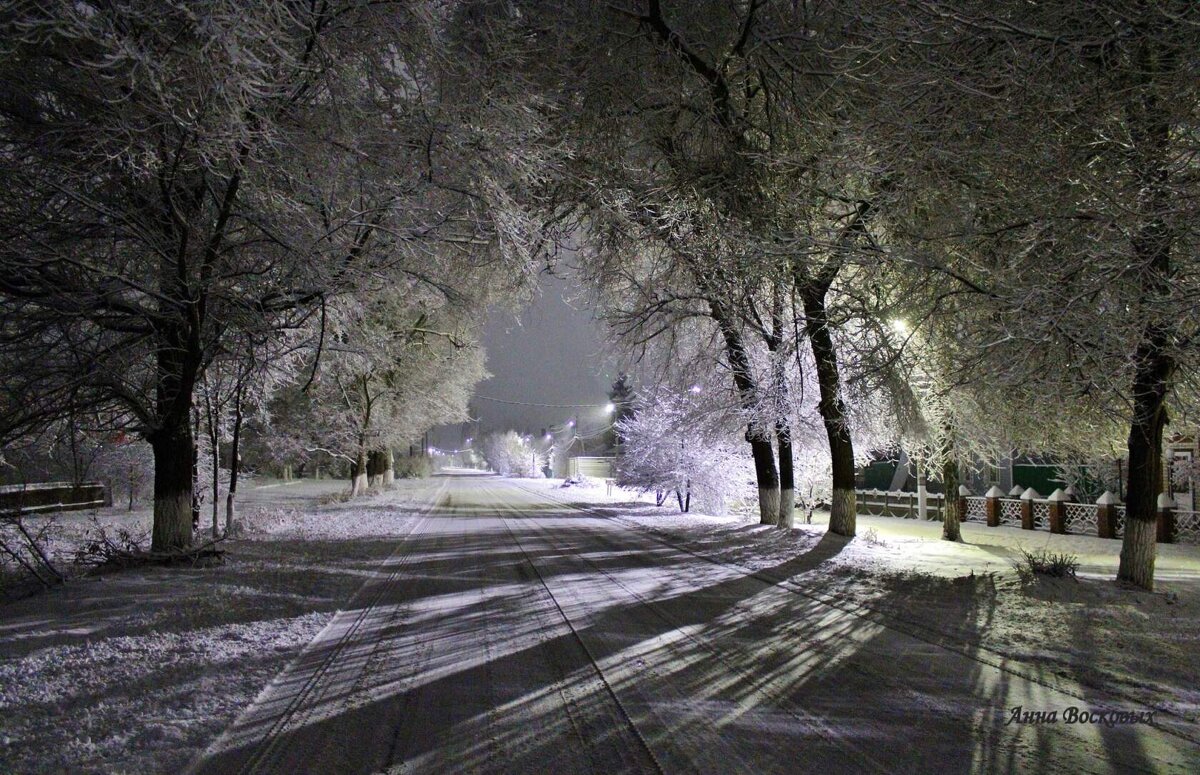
x=1132, y=644
x=140, y=671
x=137, y=671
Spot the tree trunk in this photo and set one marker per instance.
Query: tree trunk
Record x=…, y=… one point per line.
x=359, y=473
x=216, y=491
x=214, y=439
x=764, y=473
x=374, y=469
x=234, y=463
x=760, y=442
x=389, y=468
x=1138, y=552
x=196, y=468
x=174, y=453
x=787, y=477
x=952, y=521
x=1150, y=131
x=173, y=443
x=1145, y=461
x=843, y=509
x=773, y=338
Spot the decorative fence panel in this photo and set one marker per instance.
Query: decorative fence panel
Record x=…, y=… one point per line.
x=1187, y=527
x=1079, y=518
x=1041, y=515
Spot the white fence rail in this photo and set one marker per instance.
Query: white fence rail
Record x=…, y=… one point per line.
x=895, y=503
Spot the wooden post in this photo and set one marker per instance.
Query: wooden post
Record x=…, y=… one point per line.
x=1106, y=523
x=992, y=505
x=1016, y=491
x=963, y=492
x=922, y=495
x=1057, y=507
x=1166, y=519
x=1027, y=499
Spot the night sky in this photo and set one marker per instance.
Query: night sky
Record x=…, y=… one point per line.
x=552, y=352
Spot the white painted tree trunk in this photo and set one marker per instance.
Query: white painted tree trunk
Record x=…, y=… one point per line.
x=360, y=474
x=843, y=512
x=787, y=508
x=1138, y=552
x=768, y=505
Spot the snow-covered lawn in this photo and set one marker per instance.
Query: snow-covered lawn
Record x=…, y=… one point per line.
x=138, y=671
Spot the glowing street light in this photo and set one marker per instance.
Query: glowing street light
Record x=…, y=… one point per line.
x=610, y=407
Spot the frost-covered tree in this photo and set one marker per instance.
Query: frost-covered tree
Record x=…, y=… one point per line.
x=176, y=173
x=685, y=441
x=239, y=385
x=719, y=179
x=510, y=454
x=390, y=371
x=1064, y=185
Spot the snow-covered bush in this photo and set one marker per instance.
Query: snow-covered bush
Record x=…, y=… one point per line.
x=675, y=442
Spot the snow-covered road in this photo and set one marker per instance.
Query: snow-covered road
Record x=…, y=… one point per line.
x=512, y=633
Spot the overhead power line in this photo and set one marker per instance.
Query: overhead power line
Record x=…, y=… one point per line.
x=544, y=406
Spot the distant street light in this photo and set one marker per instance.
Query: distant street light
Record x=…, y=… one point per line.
x=609, y=408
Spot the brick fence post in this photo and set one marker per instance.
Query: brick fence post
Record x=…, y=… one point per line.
x=1057, y=508
x=991, y=506
x=1106, y=523
x=1027, y=499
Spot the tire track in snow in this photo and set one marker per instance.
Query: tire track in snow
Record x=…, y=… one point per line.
x=818, y=725
x=317, y=681
x=637, y=733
